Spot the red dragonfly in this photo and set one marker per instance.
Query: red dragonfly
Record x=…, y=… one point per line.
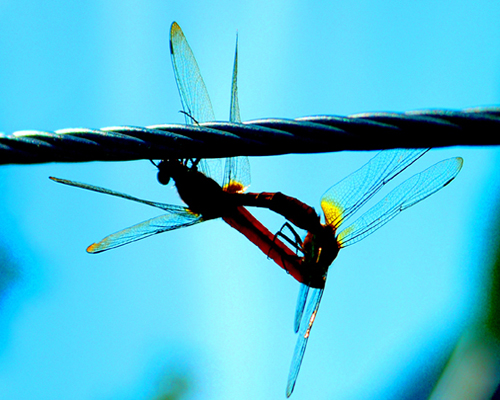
x=206, y=198
x=324, y=240
x=223, y=198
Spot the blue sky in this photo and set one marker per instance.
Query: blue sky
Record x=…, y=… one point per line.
x=203, y=300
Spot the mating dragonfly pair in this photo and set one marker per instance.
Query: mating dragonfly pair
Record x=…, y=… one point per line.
x=208, y=196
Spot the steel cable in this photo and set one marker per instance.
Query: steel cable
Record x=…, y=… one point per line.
x=316, y=134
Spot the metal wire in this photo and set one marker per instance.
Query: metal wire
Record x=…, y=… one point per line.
x=370, y=131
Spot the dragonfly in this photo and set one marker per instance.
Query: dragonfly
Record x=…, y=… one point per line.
x=206, y=198
x=339, y=203
x=226, y=200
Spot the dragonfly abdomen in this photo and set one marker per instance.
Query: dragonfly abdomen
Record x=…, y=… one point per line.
x=295, y=211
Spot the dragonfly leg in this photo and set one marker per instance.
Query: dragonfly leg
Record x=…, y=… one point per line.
x=296, y=244
x=189, y=116
x=194, y=164
x=190, y=163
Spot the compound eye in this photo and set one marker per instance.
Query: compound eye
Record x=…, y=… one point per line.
x=164, y=173
x=163, y=177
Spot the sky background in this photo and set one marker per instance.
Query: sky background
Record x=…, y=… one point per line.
x=202, y=302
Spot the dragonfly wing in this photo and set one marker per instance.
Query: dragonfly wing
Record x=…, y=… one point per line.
x=194, y=94
x=301, y=304
x=346, y=197
x=305, y=330
x=153, y=226
x=166, y=207
x=236, y=174
x=198, y=108
x=236, y=169
x=410, y=192
x=234, y=111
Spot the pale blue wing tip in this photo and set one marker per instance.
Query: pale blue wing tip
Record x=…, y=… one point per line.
x=296, y=324
x=291, y=385
x=299, y=312
x=292, y=379
x=301, y=304
x=459, y=161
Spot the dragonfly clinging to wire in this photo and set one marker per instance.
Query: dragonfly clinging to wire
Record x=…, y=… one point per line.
x=201, y=185
x=223, y=196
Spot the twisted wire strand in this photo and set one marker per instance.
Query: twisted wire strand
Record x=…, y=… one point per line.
x=316, y=134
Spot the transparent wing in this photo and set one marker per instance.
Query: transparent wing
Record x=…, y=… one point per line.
x=301, y=304
x=166, y=207
x=153, y=226
x=177, y=217
x=346, y=197
x=234, y=111
x=410, y=192
x=193, y=92
x=236, y=169
x=236, y=174
x=305, y=330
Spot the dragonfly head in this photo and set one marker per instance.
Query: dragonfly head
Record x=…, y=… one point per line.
x=172, y=169
x=164, y=173
x=168, y=169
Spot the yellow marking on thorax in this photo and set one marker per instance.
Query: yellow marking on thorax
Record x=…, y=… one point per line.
x=234, y=187
x=189, y=211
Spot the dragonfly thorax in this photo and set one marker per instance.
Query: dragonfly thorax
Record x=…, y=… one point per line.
x=201, y=193
x=320, y=249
